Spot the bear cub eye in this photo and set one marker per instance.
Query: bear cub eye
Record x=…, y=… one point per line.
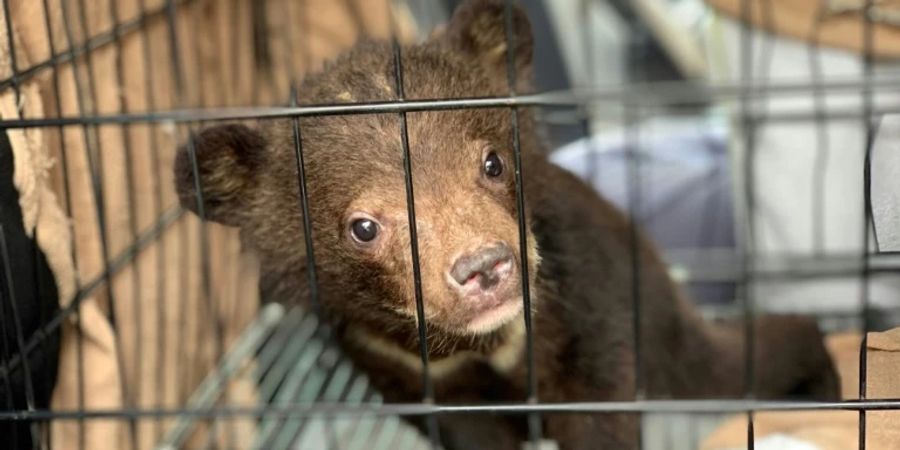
x=493, y=165
x=364, y=230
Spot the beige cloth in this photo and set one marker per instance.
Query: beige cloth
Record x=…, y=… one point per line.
x=798, y=19
x=834, y=430
x=164, y=341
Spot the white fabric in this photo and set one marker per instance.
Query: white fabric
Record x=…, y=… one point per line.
x=886, y=184
x=785, y=168
x=780, y=442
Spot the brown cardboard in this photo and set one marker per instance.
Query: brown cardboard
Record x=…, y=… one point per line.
x=835, y=430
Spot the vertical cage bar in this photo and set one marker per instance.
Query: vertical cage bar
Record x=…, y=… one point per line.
x=182, y=372
x=178, y=71
x=43, y=317
x=288, y=37
x=206, y=285
x=323, y=330
x=234, y=22
x=98, y=173
x=198, y=189
x=311, y=274
x=260, y=41
x=631, y=139
x=79, y=339
x=748, y=128
x=11, y=46
x=869, y=127
x=209, y=300
x=427, y=386
x=586, y=110
x=206, y=290
x=823, y=142
x=94, y=158
x=631, y=117
x=178, y=79
x=155, y=168
x=126, y=129
x=534, y=419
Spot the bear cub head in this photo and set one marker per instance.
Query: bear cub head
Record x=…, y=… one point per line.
x=463, y=176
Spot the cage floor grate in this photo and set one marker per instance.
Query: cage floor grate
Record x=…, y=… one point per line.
x=293, y=363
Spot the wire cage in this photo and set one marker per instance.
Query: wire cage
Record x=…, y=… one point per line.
x=128, y=323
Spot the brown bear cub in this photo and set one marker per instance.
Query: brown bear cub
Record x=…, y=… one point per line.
x=579, y=253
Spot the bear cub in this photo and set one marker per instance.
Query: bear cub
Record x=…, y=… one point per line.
x=578, y=250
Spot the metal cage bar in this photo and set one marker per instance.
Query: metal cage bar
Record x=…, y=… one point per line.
x=753, y=92
x=749, y=143
x=534, y=420
x=646, y=94
x=427, y=385
x=868, y=41
x=730, y=406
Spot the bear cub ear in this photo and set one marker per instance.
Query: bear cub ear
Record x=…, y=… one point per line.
x=478, y=28
x=227, y=159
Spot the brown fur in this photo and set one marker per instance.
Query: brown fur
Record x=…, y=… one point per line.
x=579, y=249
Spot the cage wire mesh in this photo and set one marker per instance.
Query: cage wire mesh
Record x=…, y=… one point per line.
x=130, y=324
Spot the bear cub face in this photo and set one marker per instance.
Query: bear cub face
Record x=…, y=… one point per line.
x=463, y=179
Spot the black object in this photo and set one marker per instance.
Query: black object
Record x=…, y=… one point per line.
x=28, y=300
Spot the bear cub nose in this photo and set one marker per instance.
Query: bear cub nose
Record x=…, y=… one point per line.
x=483, y=269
